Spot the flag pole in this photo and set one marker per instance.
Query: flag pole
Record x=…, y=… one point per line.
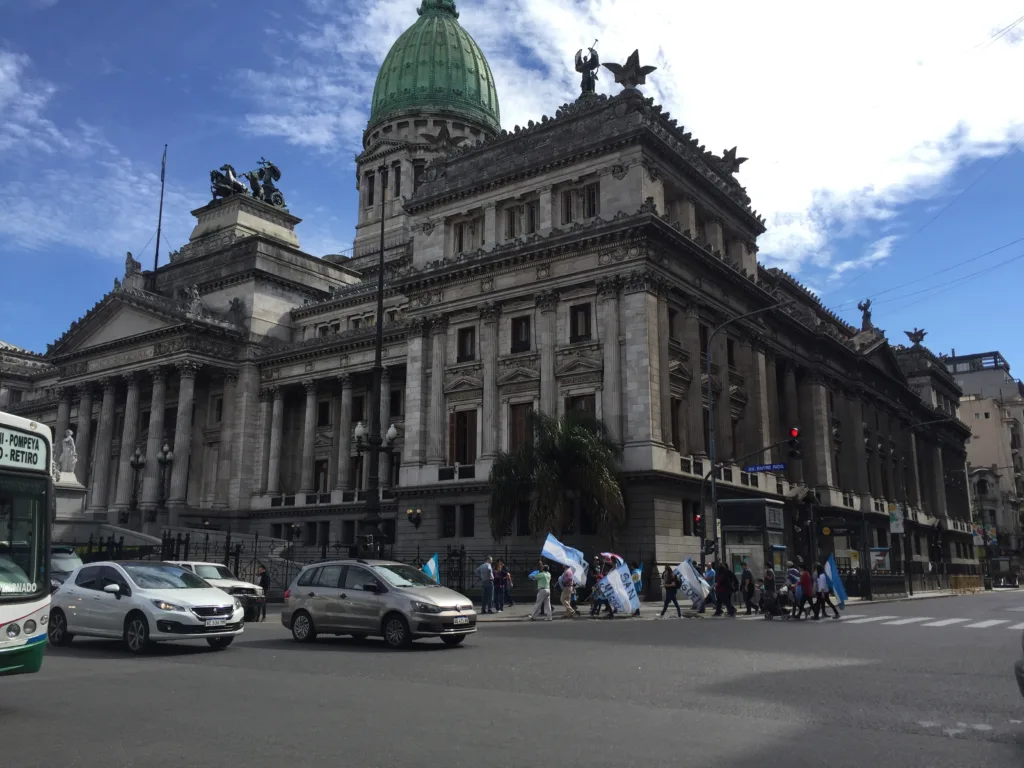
x=160, y=217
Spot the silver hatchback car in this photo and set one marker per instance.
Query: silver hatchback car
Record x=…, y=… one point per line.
x=375, y=597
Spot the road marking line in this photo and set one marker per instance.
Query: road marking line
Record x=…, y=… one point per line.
x=1016, y=626
x=872, y=618
x=848, y=616
x=901, y=622
x=987, y=624
x=946, y=622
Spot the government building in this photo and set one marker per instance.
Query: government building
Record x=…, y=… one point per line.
x=579, y=262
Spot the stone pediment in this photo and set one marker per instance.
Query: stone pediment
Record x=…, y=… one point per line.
x=462, y=383
x=737, y=395
x=678, y=368
x=716, y=385
x=882, y=357
x=117, y=317
x=518, y=375
x=577, y=365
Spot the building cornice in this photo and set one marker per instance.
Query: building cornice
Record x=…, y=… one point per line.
x=334, y=343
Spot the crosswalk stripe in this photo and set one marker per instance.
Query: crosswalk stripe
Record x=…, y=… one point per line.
x=901, y=622
x=946, y=622
x=848, y=616
x=1016, y=626
x=870, y=619
x=987, y=624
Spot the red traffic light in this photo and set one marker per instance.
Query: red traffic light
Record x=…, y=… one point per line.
x=794, y=432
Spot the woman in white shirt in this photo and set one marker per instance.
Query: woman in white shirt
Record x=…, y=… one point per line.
x=824, y=601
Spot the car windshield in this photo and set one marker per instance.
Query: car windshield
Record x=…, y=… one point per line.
x=214, y=572
x=160, y=576
x=404, y=576
x=64, y=562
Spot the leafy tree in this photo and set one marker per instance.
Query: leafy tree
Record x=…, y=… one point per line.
x=571, y=460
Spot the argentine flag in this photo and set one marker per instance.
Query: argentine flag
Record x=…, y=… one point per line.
x=571, y=558
x=832, y=575
x=638, y=579
x=430, y=567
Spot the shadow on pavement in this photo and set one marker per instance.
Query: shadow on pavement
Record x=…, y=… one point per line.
x=115, y=649
x=370, y=646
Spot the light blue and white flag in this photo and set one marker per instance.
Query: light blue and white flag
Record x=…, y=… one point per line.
x=617, y=588
x=834, y=581
x=638, y=579
x=571, y=558
x=431, y=567
x=691, y=583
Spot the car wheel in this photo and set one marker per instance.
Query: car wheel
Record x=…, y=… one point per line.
x=302, y=627
x=58, y=630
x=453, y=640
x=136, y=633
x=219, y=643
x=396, y=631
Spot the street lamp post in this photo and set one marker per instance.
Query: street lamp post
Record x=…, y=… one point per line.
x=137, y=463
x=165, y=458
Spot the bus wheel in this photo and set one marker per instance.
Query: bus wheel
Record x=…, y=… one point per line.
x=58, y=631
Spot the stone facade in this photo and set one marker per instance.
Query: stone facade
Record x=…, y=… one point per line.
x=582, y=261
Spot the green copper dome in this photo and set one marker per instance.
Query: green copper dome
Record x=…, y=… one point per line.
x=435, y=64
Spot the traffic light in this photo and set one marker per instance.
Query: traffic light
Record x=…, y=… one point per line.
x=698, y=525
x=794, y=443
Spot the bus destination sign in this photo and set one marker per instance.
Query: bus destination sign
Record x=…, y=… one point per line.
x=21, y=450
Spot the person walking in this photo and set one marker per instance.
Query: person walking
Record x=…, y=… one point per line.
x=568, y=585
x=501, y=581
x=670, y=584
x=824, y=601
x=805, y=602
x=261, y=613
x=747, y=588
x=724, y=579
x=793, y=580
x=543, y=605
x=709, y=577
x=486, y=575
x=771, y=596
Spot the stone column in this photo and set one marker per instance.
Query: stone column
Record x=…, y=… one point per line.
x=104, y=438
x=129, y=436
x=874, y=458
x=545, y=210
x=384, y=468
x=83, y=432
x=914, y=492
x=694, y=394
x=547, y=329
x=756, y=429
x=178, y=495
x=775, y=430
x=5, y=396
x=899, y=435
x=415, y=395
x=663, y=370
x=859, y=463
x=885, y=437
x=307, y=483
x=642, y=376
x=724, y=449
x=344, y=441
x=63, y=422
x=266, y=414
x=608, y=289
x=225, y=464
x=795, y=468
x=490, y=238
x=276, y=436
x=438, y=427
x=489, y=313
x=938, y=481
x=154, y=441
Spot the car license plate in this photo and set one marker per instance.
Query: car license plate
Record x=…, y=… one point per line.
x=461, y=620
x=216, y=622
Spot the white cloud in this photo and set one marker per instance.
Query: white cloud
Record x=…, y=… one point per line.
x=877, y=252
x=69, y=186
x=845, y=112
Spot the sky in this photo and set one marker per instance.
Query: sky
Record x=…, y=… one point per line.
x=885, y=140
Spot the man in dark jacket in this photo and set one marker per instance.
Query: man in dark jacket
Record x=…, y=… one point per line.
x=747, y=588
x=265, y=586
x=723, y=589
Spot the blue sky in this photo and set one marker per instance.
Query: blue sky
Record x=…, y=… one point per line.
x=881, y=154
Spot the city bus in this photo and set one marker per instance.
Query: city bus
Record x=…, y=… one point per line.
x=27, y=475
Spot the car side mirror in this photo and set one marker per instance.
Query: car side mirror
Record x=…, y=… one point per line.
x=377, y=589
x=113, y=589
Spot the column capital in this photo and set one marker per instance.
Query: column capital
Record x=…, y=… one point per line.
x=345, y=379
x=438, y=324
x=60, y=392
x=230, y=378
x=157, y=373
x=107, y=384
x=546, y=301
x=608, y=287
x=266, y=394
x=83, y=389
x=418, y=325
x=385, y=374
x=490, y=311
x=187, y=369
x=130, y=379
x=643, y=280
x=310, y=386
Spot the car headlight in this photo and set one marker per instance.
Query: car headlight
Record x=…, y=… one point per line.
x=419, y=607
x=163, y=605
x=238, y=604
x=259, y=591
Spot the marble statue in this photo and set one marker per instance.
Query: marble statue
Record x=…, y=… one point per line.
x=131, y=265
x=68, y=452
x=195, y=301
x=588, y=66
x=865, y=309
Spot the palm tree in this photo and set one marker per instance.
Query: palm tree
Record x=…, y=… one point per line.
x=570, y=459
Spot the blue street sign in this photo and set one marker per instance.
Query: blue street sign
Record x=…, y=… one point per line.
x=764, y=468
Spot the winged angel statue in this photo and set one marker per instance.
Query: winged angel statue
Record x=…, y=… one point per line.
x=588, y=66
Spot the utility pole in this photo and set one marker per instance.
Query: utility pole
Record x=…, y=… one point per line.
x=160, y=216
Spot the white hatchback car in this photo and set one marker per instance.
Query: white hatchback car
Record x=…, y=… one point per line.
x=142, y=603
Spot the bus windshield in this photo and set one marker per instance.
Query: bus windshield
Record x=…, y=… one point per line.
x=23, y=518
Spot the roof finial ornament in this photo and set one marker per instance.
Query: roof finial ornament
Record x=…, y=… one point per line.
x=630, y=74
x=865, y=321
x=443, y=6
x=588, y=66
x=916, y=336
x=732, y=163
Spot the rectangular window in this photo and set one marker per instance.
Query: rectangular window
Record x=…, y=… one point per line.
x=512, y=223
x=532, y=217
x=397, y=403
x=582, y=403
x=673, y=325
x=417, y=174
x=730, y=352
x=460, y=239
x=335, y=327
x=448, y=522
x=371, y=182
x=567, y=211
x=467, y=345
x=588, y=521
x=216, y=412
x=703, y=342
x=591, y=200
x=396, y=169
x=322, y=331
x=579, y=323
x=323, y=413
x=320, y=467
x=395, y=469
x=348, y=531
x=523, y=519
x=519, y=425
x=357, y=409
x=462, y=426
x=521, y=334
x=677, y=409
x=467, y=521
x=355, y=323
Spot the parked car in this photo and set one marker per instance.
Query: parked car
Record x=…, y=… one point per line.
x=375, y=597
x=63, y=560
x=1019, y=667
x=249, y=595
x=142, y=603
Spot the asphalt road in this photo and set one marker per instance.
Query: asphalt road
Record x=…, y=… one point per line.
x=717, y=692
